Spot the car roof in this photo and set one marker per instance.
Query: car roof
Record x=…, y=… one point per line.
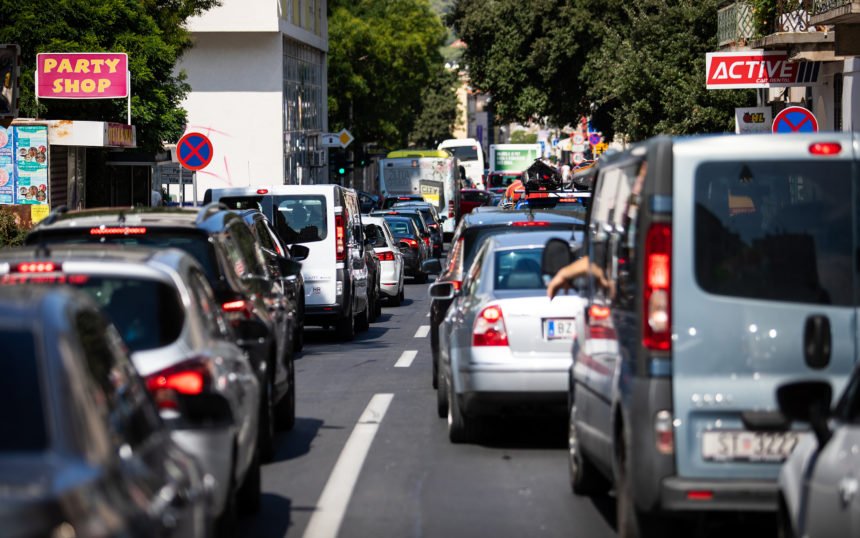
x=519, y=215
x=21, y=304
x=368, y=219
x=527, y=239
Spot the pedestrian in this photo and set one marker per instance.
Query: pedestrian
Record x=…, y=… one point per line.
x=156, y=200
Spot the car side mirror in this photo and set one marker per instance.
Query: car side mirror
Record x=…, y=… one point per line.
x=556, y=255
x=442, y=291
x=808, y=401
x=432, y=266
x=442, y=218
x=289, y=267
x=299, y=252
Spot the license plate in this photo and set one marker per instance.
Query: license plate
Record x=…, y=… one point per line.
x=559, y=329
x=748, y=446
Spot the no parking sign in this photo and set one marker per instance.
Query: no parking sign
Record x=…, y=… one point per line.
x=795, y=119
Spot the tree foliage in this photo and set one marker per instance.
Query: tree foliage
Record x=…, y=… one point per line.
x=438, y=114
x=383, y=54
x=523, y=137
x=634, y=66
x=151, y=32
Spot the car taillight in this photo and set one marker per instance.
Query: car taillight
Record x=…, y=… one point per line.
x=825, y=148
x=190, y=378
x=657, y=306
x=664, y=432
x=427, y=241
x=411, y=242
x=118, y=230
x=339, y=238
x=37, y=267
x=531, y=223
x=237, y=309
x=385, y=256
x=489, y=328
x=457, y=284
x=450, y=209
x=433, y=226
x=262, y=191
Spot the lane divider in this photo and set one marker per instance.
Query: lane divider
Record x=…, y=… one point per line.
x=332, y=504
x=422, y=331
x=405, y=360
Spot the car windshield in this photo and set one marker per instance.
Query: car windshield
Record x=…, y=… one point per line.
x=23, y=412
x=301, y=218
x=518, y=269
x=464, y=153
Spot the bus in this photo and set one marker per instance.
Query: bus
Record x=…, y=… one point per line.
x=471, y=156
x=432, y=174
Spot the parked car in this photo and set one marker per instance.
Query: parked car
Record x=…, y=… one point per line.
x=713, y=259
x=411, y=245
x=327, y=220
x=285, y=266
x=470, y=234
x=89, y=457
x=472, y=198
x=159, y=301
x=389, y=201
x=503, y=347
x=390, y=258
x=819, y=484
x=221, y=243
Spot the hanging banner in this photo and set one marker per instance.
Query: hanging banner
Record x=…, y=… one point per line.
x=758, y=69
x=90, y=75
x=31, y=164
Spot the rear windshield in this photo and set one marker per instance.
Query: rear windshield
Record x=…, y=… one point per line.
x=473, y=196
x=195, y=244
x=300, y=218
x=464, y=153
x=22, y=413
x=474, y=237
x=244, y=202
x=776, y=230
x=400, y=227
x=518, y=269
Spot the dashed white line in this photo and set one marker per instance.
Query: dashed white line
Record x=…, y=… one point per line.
x=427, y=315
x=422, y=331
x=405, y=360
x=331, y=507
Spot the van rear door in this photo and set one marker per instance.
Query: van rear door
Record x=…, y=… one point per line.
x=764, y=291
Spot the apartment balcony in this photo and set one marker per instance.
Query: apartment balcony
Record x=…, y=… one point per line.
x=835, y=12
x=735, y=25
x=791, y=28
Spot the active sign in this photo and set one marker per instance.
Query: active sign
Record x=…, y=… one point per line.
x=194, y=151
x=795, y=119
x=758, y=69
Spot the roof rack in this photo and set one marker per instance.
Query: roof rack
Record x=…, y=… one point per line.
x=55, y=214
x=208, y=210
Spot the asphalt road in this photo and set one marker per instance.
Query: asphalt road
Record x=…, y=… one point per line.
x=369, y=457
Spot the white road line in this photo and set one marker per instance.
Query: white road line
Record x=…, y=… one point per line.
x=405, y=360
x=427, y=315
x=331, y=507
x=422, y=331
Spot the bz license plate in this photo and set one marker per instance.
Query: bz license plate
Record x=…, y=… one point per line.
x=559, y=329
x=748, y=446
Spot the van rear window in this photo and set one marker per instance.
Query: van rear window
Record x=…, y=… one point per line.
x=778, y=231
x=300, y=218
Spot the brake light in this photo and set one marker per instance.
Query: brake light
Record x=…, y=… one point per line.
x=664, y=432
x=37, y=267
x=339, y=238
x=657, y=326
x=239, y=307
x=403, y=198
x=411, y=242
x=117, y=230
x=385, y=256
x=450, y=209
x=188, y=379
x=825, y=148
x=531, y=223
x=262, y=191
x=700, y=495
x=427, y=241
x=598, y=312
x=489, y=328
x=457, y=284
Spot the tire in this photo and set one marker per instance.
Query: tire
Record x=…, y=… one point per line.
x=377, y=305
x=345, y=327
x=285, y=411
x=435, y=370
x=248, y=496
x=459, y=429
x=362, y=321
x=397, y=299
x=631, y=522
x=442, y=398
x=785, y=528
x=585, y=479
x=299, y=336
x=227, y=522
x=266, y=426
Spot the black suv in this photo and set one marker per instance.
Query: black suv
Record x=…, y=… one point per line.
x=221, y=242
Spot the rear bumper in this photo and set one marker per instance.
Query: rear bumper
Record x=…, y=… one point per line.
x=323, y=314
x=727, y=495
x=391, y=290
x=213, y=449
x=506, y=389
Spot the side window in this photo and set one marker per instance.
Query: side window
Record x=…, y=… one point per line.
x=201, y=294
x=131, y=417
x=473, y=281
x=280, y=248
x=263, y=236
x=602, y=217
x=247, y=249
x=623, y=273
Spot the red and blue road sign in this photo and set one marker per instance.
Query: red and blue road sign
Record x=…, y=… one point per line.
x=594, y=139
x=194, y=151
x=795, y=119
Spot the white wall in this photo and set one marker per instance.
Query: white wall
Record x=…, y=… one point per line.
x=239, y=16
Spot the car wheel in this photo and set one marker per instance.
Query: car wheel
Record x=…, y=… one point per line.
x=585, y=479
x=442, y=398
x=227, y=522
x=248, y=496
x=784, y=528
x=402, y=294
x=397, y=299
x=459, y=429
x=266, y=427
x=362, y=321
x=630, y=521
x=286, y=408
x=377, y=303
x=345, y=327
x=435, y=361
x=299, y=336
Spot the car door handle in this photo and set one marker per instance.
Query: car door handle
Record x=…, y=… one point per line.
x=848, y=488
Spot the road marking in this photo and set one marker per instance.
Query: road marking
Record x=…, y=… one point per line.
x=331, y=506
x=427, y=315
x=405, y=360
x=422, y=331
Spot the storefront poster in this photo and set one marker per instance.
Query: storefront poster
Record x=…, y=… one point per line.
x=31, y=164
x=7, y=167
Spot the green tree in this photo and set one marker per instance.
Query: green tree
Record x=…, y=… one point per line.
x=152, y=32
x=523, y=137
x=382, y=56
x=438, y=113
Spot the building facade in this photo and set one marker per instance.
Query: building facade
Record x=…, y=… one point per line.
x=257, y=72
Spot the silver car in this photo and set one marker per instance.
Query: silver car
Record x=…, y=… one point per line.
x=504, y=346
x=202, y=383
x=819, y=484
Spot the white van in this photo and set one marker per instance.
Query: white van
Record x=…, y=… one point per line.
x=327, y=220
x=471, y=156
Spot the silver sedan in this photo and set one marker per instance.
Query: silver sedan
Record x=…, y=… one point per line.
x=504, y=347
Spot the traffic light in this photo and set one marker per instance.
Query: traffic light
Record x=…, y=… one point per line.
x=340, y=165
x=9, y=71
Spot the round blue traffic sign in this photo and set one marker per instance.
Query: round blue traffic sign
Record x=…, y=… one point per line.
x=194, y=151
x=795, y=119
x=594, y=139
